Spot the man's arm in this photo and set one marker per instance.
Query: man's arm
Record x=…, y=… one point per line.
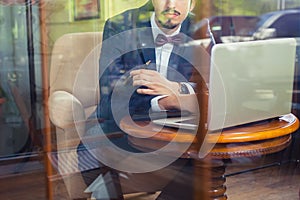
x=186, y=102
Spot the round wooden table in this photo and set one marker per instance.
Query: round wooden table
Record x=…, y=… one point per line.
x=254, y=139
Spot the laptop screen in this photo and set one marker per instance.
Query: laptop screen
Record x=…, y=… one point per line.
x=250, y=81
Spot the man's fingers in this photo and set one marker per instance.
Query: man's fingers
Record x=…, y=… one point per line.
x=135, y=72
x=146, y=91
x=140, y=82
x=140, y=77
x=143, y=71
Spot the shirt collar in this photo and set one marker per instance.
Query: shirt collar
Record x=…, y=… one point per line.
x=156, y=30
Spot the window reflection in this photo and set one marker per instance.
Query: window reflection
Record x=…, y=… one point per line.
x=22, y=142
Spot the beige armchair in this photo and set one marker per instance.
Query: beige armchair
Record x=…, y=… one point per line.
x=74, y=62
x=74, y=95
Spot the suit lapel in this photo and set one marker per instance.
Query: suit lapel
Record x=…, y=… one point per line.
x=178, y=52
x=181, y=60
x=146, y=45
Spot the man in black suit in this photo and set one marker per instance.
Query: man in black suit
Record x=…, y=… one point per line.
x=148, y=37
x=129, y=43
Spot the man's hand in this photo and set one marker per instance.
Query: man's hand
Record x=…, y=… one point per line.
x=156, y=84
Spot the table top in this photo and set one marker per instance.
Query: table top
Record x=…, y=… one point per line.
x=258, y=138
x=262, y=130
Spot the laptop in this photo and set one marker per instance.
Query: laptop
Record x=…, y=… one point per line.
x=249, y=82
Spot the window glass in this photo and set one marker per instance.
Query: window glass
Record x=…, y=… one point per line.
x=83, y=81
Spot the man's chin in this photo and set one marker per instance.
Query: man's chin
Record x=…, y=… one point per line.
x=169, y=25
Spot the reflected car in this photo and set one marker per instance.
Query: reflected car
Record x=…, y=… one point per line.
x=278, y=24
x=225, y=26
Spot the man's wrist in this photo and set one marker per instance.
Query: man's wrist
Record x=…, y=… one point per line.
x=169, y=102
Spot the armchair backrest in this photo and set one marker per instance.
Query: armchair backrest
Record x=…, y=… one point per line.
x=75, y=62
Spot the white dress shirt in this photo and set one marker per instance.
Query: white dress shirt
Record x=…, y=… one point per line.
x=162, y=55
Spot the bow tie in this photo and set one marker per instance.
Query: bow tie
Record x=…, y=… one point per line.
x=161, y=39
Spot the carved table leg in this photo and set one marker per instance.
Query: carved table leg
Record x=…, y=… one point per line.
x=209, y=176
x=218, y=180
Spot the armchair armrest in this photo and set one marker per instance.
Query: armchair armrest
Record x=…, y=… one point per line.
x=65, y=109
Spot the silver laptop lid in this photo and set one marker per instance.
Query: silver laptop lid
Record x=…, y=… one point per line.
x=250, y=81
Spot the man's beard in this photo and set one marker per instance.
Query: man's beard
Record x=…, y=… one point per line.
x=168, y=24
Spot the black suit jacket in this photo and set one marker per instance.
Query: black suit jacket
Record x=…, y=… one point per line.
x=128, y=43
